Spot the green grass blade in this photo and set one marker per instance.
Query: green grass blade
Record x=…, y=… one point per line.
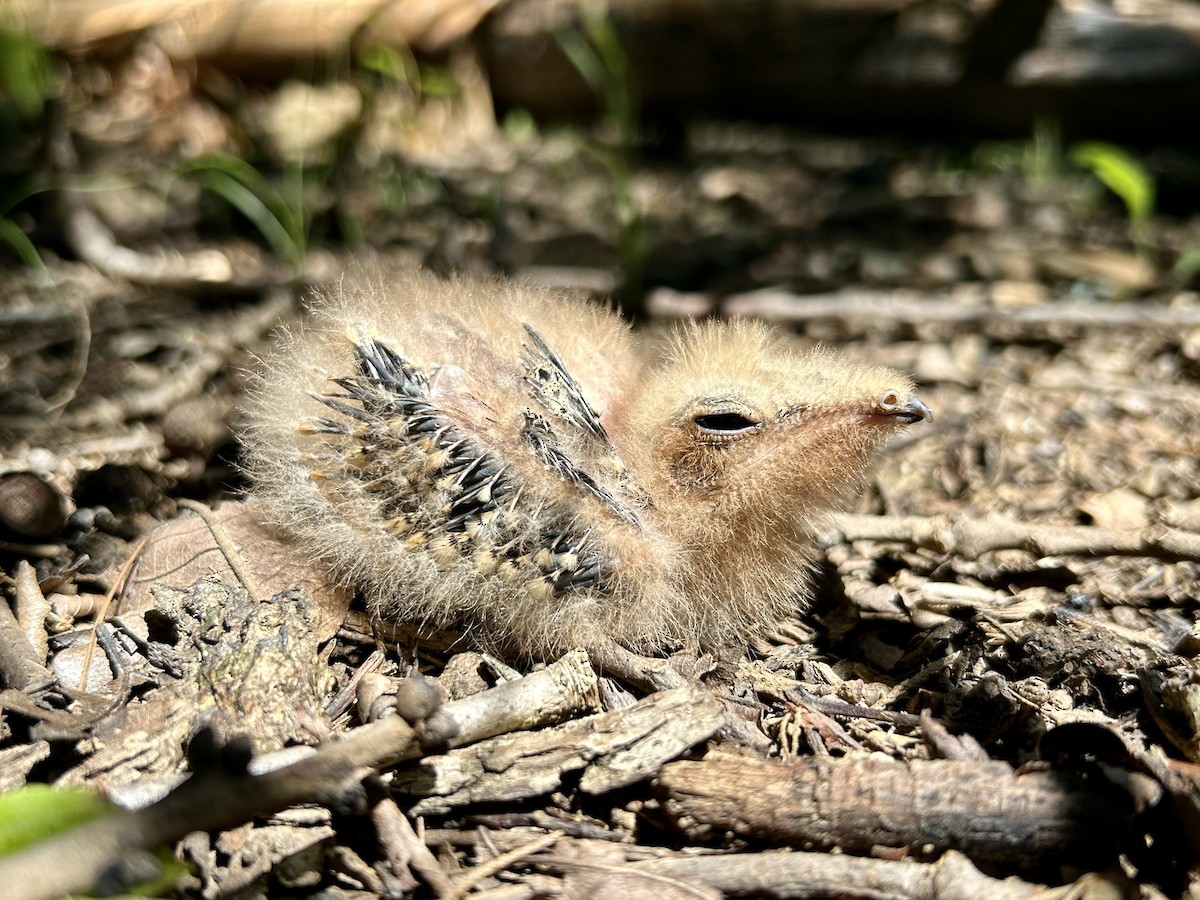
x=251, y=204
x=1121, y=174
x=20, y=244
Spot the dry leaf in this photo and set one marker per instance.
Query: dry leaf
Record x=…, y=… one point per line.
x=228, y=540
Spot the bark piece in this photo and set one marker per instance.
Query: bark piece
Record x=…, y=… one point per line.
x=971, y=538
x=610, y=751
x=278, y=28
x=216, y=799
x=898, y=307
x=15, y=763
x=253, y=661
x=19, y=665
x=983, y=809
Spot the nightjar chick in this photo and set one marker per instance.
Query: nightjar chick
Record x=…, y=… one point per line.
x=503, y=458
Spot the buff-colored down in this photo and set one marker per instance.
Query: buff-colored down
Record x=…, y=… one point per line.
x=505, y=459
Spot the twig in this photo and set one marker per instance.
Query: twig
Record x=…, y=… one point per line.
x=901, y=307
x=114, y=589
x=31, y=608
x=971, y=538
x=218, y=342
x=499, y=864
x=95, y=243
x=399, y=841
x=804, y=875
x=73, y=862
x=653, y=674
x=983, y=809
x=596, y=755
x=227, y=547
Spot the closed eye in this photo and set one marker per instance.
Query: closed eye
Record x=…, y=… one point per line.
x=726, y=424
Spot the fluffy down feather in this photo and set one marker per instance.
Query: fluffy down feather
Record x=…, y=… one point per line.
x=507, y=459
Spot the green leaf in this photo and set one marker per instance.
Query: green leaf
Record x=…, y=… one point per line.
x=26, y=73
x=36, y=812
x=438, y=81
x=390, y=62
x=584, y=58
x=519, y=125
x=1121, y=174
x=1186, y=267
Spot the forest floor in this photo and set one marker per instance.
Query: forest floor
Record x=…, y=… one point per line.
x=1017, y=587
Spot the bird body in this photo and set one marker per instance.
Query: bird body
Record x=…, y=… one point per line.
x=503, y=457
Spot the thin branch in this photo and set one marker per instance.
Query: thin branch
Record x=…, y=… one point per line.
x=216, y=800
x=972, y=538
x=804, y=875
x=498, y=864
x=902, y=307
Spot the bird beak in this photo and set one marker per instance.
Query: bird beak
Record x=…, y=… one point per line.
x=913, y=410
x=892, y=411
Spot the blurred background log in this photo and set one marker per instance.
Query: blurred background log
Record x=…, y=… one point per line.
x=1128, y=71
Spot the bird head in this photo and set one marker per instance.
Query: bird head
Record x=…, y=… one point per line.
x=758, y=434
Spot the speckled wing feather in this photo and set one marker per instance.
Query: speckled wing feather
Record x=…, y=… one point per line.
x=544, y=443
x=443, y=492
x=558, y=392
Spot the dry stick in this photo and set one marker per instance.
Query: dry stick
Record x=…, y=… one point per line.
x=74, y=861
x=498, y=864
x=217, y=346
x=611, y=658
x=267, y=29
x=612, y=750
x=911, y=308
x=188, y=379
x=616, y=880
x=810, y=875
x=19, y=664
x=971, y=538
x=983, y=809
x=32, y=609
x=396, y=834
x=117, y=587
x=95, y=243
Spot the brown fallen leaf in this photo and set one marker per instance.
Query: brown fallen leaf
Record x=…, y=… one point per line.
x=231, y=542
